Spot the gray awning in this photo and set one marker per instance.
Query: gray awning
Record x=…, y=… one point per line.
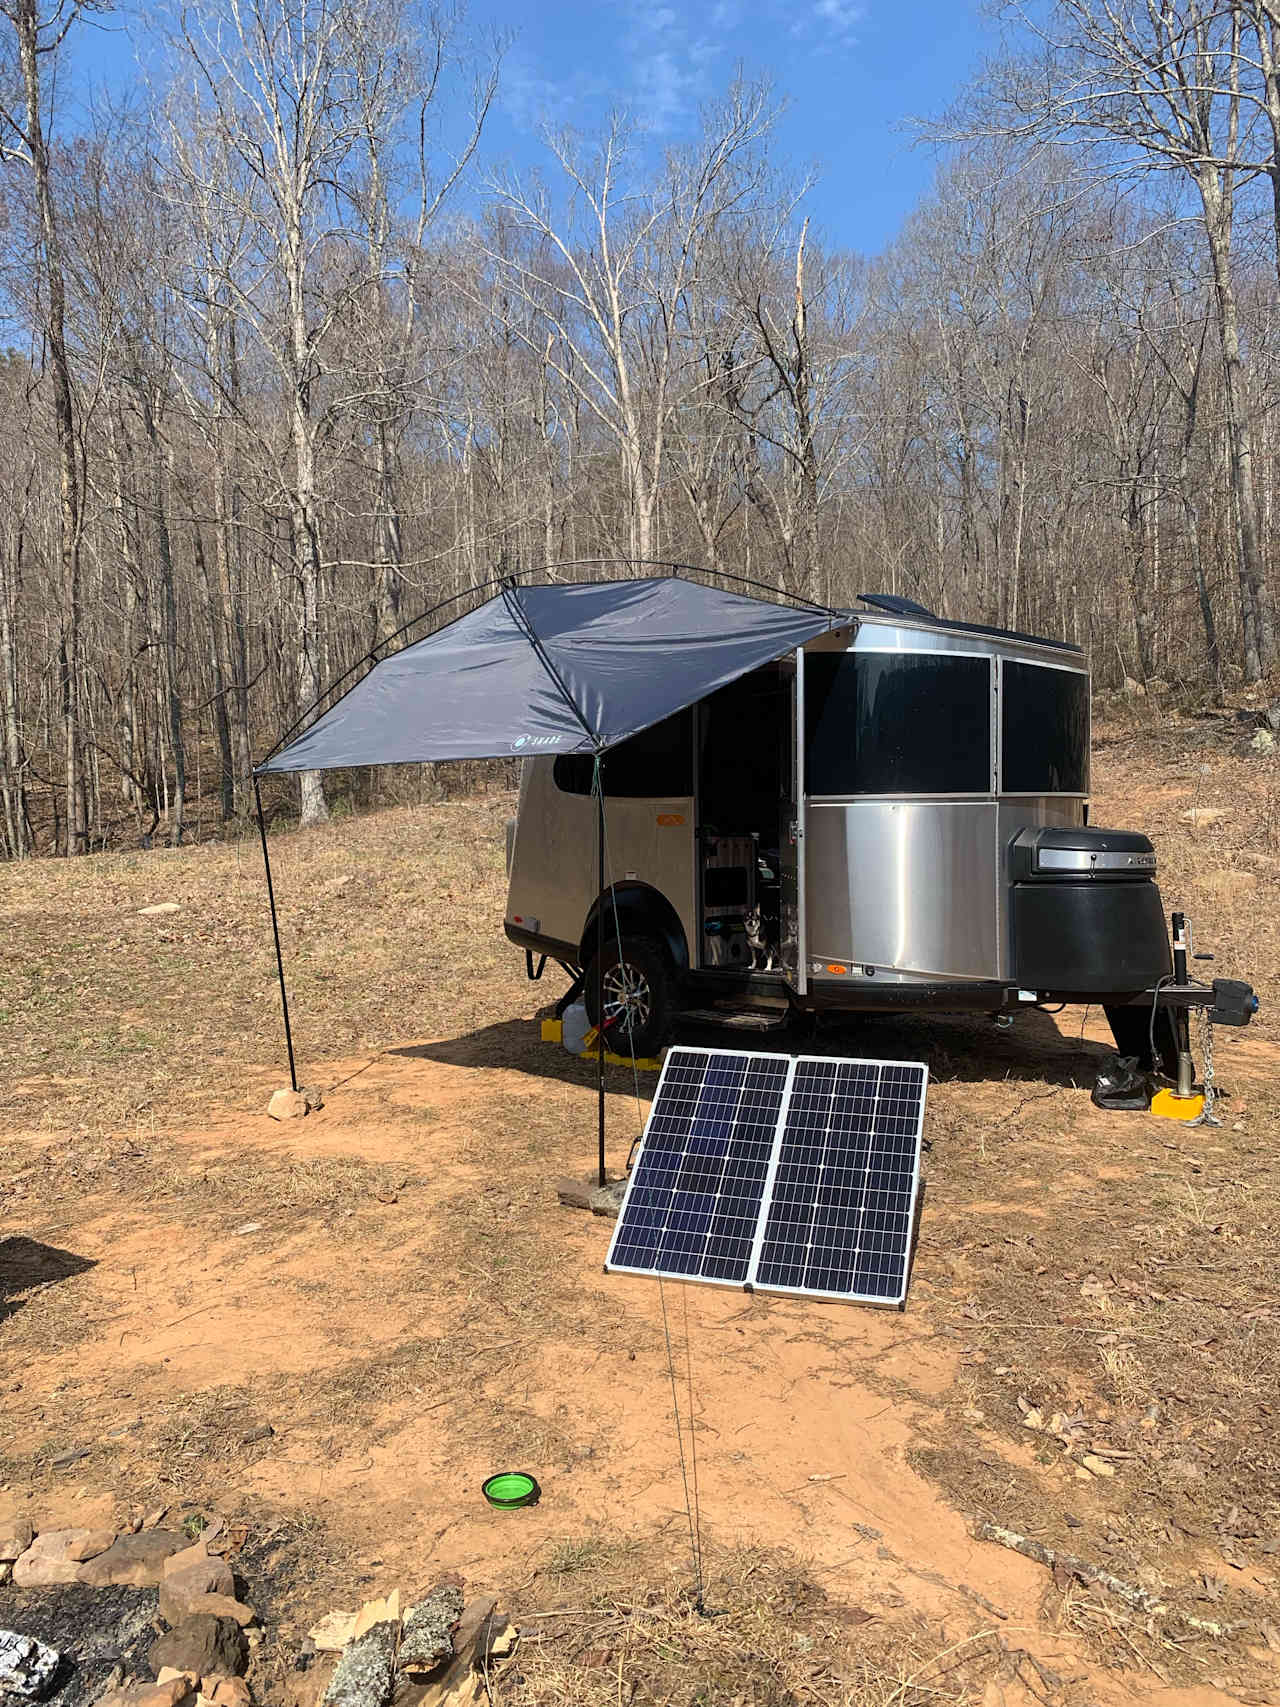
x=551, y=669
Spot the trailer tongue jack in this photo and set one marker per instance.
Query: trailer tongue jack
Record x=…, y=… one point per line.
x=1227, y=1001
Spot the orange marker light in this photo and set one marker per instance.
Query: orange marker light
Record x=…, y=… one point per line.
x=838, y=970
x=668, y=819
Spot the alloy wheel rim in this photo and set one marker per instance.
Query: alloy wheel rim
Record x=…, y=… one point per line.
x=628, y=1001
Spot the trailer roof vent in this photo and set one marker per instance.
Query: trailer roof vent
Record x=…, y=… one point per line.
x=894, y=605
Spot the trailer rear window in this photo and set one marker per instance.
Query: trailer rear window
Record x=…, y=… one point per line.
x=655, y=764
x=1044, y=745
x=897, y=723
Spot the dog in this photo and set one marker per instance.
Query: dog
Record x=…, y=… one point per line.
x=761, y=947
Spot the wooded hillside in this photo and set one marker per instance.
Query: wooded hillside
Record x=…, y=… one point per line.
x=291, y=358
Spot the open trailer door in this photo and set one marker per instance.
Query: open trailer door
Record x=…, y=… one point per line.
x=791, y=860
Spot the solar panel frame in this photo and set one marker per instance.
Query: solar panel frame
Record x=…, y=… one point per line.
x=907, y=1078
x=908, y=1190
x=621, y=1245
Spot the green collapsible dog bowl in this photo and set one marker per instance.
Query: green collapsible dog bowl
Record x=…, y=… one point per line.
x=510, y=1489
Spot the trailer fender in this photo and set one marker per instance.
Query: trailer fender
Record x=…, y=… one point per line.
x=636, y=910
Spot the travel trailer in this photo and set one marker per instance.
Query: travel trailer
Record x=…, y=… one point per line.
x=895, y=815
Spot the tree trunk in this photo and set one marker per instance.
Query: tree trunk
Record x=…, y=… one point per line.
x=227, y=549
x=806, y=451
x=12, y=759
x=168, y=610
x=69, y=650
x=306, y=528
x=1256, y=624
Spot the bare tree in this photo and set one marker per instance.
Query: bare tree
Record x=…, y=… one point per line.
x=1159, y=88
x=609, y=273
x=24, y=141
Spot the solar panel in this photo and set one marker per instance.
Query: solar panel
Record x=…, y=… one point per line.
x=793, y=1175
x=693, y=1200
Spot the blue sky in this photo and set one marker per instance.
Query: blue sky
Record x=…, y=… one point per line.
x=851, y=70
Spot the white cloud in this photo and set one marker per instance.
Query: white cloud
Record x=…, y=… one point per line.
x=838, y=18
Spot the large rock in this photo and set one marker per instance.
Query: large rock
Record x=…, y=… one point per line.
x=133, y=1561
x=16, y=1535
x=210, y=1647
x=56, y=1556
x=27, y=1667
x=287, y=1105
x=200, y=1577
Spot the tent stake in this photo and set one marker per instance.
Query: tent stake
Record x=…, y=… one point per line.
x=275, y=931
x=600, y=963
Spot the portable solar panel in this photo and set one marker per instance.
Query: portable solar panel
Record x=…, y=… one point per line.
x=790, y=1174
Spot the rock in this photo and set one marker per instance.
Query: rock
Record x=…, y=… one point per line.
x=93, y=1543
x=366, y=1674
x=256, y=1434
x=171, y=1694
x=53, y=1557
x=167, y=1674
x=180, y=1589
x=221, y=1606
x=1264, y=741
x=479, y=1627
x=1097, y=1466
x=133, y=1561
x=333, y=1632
x=1204, y=817
x=159, y=910
x=586, y=1194
x=1132, y=689
x=73, y=1455
x=16, y=1536
x=6, y=1571
x=228, y=1692
x=427, y=1638
x=1273, y=718
x=210, y=1647
x=313, y=1096
x=287, y=1105
x=27, y=1667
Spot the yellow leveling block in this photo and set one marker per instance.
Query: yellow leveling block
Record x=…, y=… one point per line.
x=1173, y=1107
x=553, y=1032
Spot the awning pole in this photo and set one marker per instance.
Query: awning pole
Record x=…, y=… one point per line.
x=600, y=962
x=275, y=931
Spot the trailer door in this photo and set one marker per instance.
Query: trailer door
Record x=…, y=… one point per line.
x=791, y=836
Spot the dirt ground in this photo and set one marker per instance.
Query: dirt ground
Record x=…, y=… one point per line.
x=391, y=1290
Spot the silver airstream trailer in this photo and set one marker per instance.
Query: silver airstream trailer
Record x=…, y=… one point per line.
x=894, y=816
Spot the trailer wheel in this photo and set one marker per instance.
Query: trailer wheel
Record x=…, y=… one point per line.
x=638, y=998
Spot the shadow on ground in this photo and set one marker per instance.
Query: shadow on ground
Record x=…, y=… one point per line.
x=26, y=1264
x=971, y=1050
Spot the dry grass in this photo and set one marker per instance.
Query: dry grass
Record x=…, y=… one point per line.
x=109, y=1021
x=1113, y=1274
x=626, y=1628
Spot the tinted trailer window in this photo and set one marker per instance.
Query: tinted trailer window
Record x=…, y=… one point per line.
x=897, y=723
x=1044, y=746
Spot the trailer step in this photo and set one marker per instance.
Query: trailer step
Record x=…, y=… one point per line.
x=738, y=1019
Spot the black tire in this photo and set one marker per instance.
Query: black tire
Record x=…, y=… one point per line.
x=639, y=996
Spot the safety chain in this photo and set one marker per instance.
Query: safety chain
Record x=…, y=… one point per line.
x=1207, y=1117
